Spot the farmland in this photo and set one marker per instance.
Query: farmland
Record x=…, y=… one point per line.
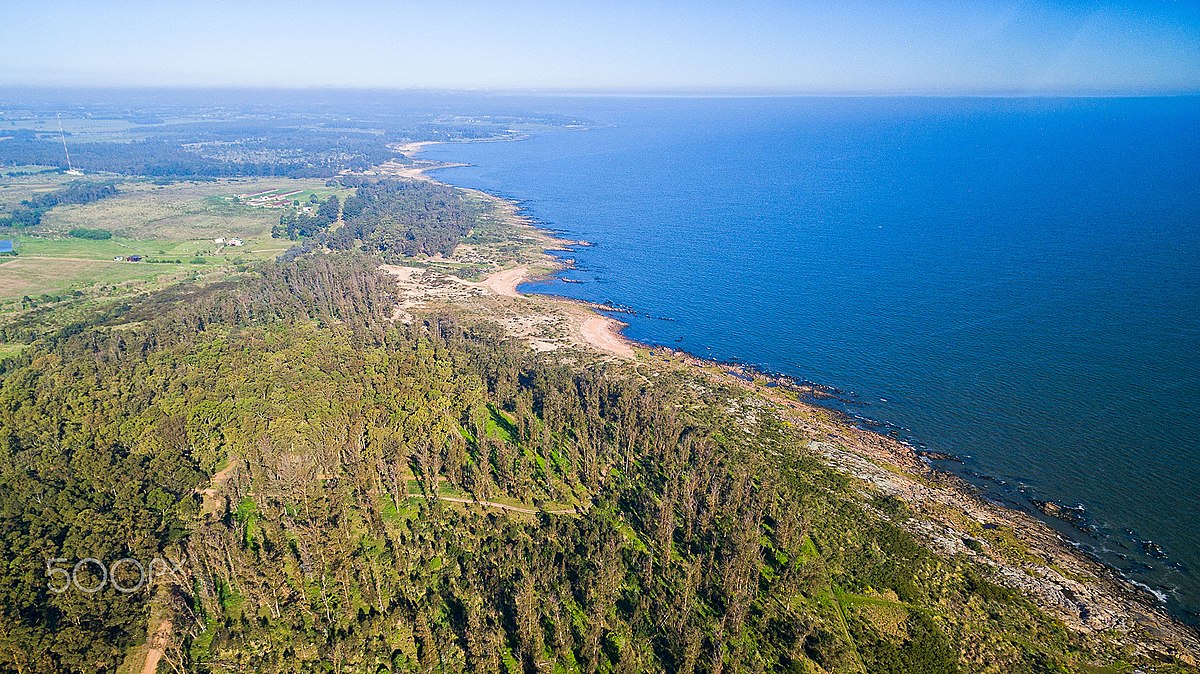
x=38, y=276
x=172, y=228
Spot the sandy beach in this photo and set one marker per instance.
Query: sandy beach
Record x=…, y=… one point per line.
x=408, y=168
x=596, y=330
x=547, y=323
x=954, y=518
x=504, y=283
x=604, y=333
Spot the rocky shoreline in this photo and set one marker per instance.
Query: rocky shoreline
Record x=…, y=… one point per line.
x=954, y=518
x=951, y=515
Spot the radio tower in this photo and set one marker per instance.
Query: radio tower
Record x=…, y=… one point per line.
x=62, y=134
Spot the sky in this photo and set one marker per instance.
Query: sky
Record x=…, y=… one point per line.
x=752, y=46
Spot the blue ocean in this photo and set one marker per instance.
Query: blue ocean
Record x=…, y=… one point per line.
x=1013, y=282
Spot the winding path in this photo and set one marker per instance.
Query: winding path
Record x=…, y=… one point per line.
x=505, y=506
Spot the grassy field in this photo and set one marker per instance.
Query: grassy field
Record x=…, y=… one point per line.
x=181, y=211
x=10, y=350
x=38, y=276
x=15, y=189
x=258, y=247
x=172, y=227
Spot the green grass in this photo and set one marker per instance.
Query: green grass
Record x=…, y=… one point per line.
x=808, y=552
x=322, y=193
x=55, y=246
x=499, y=426
x=180, y=211
x=43, y=278
x=629, y=534
x=160, y=223
x=408, y=509
x=10, y=350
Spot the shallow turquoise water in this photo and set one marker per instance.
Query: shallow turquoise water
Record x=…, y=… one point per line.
x=1015, y=282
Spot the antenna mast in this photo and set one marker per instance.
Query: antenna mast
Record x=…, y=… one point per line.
x=62, y=134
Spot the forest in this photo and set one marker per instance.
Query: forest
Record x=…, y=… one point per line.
x=392, y=218
x=77, y=192
x=402, y=218
x=158, y=158
x=239, y=136
x=299, y=223
x=299, y=454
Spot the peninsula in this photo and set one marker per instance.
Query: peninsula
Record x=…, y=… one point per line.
x=370, y=452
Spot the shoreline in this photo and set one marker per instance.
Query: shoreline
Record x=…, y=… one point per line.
x=1088, y=594
x=600, y=331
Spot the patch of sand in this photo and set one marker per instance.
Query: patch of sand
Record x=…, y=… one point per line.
x=546, y=323
x=211, y=502
x=600, y=332
x=412, y=169
x=505, y=282
x=412, y=148
x=394, y=169
x=604, y=333
x=157, y=649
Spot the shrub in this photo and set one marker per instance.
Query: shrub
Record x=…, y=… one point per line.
x=93, y=234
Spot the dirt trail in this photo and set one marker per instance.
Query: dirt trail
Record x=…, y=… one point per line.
x=158, y=637
x=106, y=260
x=505, y=506
x=157, y=651
x=218, y=480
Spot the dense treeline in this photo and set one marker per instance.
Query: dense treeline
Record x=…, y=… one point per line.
x=92, y=234
x=402, y=218
x=297, y=223
x=162, y=158
x=270, y=146
x=395, y=218
x=699, y=534
x=79, y=192
x=98, y=462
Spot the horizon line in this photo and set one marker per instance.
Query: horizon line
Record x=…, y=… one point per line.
x=601, y=92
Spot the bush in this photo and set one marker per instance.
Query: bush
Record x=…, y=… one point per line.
x=93, y=234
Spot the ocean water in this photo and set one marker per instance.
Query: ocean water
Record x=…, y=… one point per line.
x=1015, y=282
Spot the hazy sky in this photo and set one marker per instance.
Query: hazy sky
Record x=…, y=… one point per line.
x=848, y=46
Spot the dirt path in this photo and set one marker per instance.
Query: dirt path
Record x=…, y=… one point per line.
x=158, y=637
x=108, y=260
x=156, y=651
x=504, y=506
x=219, y=478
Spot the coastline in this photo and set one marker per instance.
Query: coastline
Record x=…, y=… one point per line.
x=955, y=517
